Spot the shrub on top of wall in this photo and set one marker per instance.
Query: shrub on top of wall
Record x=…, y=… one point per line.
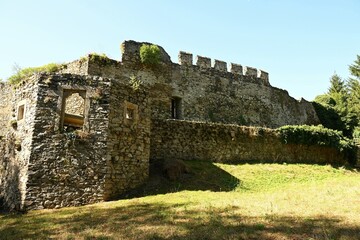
x=318, y=135
x=150, y=54
x=95, y=57
x=28, y=72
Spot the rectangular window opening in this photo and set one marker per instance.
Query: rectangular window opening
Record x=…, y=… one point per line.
x=21, y=112
x=176, y=108
x=131, y=113
x=73, y=110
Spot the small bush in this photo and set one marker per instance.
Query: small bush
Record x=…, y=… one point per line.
x=150, y=54
x=99, y=57
x=28, y=72
x=319, y=135
x=135, y=83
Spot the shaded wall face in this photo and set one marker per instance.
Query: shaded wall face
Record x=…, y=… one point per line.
x=17, y=110
x=171, y=139
x=215, y=96
x=209, y=94
x=68, y=164
x=128, y=140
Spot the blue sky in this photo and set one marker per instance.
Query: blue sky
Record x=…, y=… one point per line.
x=300, y=43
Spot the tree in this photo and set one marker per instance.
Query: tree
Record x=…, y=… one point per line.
x=339, y=108
x=338, y=92
x=353, y=85
x=337, y=85
x=355, y=68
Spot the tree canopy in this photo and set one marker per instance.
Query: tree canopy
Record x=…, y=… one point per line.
x=339, y=108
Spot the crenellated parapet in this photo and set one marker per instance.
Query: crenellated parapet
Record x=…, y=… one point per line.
x=186, y=59
x=263, y=76
x=203, y=62
x=220, y=65
x=250, y=71
x=236, y=69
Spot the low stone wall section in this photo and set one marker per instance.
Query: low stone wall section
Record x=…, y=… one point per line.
x=185, y=140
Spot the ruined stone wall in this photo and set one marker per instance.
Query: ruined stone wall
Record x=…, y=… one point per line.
x=79, y=67
x=6, y=99
x=129, y=139
x=172, y=139
x=107, y=157
x=17, y=108
x=68, y=168
x=209, y=92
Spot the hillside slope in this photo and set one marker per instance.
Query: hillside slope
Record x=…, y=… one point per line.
x=213, y=201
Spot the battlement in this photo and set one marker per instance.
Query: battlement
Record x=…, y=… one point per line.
x=203, y=62
x=186, y=59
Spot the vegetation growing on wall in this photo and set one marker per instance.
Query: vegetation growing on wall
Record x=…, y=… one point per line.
x=135, y=83
x=150, y=54
x=22, y=74
x=319, y=135
x=99, y=57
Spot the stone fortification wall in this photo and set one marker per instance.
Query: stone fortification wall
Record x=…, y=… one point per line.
x=106, y=157
x=7, y=106
x=68, y=168
x=128, y=139
x=242, y=95
x=172, y=139
x=79, y=67
x=17, y=109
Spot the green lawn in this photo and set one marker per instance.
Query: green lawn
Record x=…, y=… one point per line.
x=213, y=201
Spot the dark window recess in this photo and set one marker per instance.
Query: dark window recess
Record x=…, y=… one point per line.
x=176, y=108
x=130, y=113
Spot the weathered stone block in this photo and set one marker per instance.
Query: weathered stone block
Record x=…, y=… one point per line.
x=203, y=62
x=236, y=68
x=185, y=58
x=249, y=71
x=220, y=65
x=264, y=76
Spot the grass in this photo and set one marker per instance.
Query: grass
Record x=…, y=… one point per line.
x=214, y=201
x=25, y=73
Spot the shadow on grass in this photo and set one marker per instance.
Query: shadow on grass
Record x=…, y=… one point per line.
x=170, y=221
x=202, y=176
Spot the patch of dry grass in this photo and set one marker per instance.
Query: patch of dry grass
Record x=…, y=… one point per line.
x=292, y=202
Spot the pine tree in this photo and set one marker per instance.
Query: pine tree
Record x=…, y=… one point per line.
x=341, y=104
x=355, y=68
x=337, y=85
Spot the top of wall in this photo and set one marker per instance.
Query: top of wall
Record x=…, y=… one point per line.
x=131, y=53
x=186, y=59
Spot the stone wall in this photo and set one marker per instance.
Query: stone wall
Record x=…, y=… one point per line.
x=241, y=96
x=128, y=140
x=173, y=139
x=107, y=157
x=79, y=67
x=6, y=99
x=68, y=168
x=16, y=141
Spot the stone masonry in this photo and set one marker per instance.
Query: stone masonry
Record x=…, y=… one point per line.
x=87, y=133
